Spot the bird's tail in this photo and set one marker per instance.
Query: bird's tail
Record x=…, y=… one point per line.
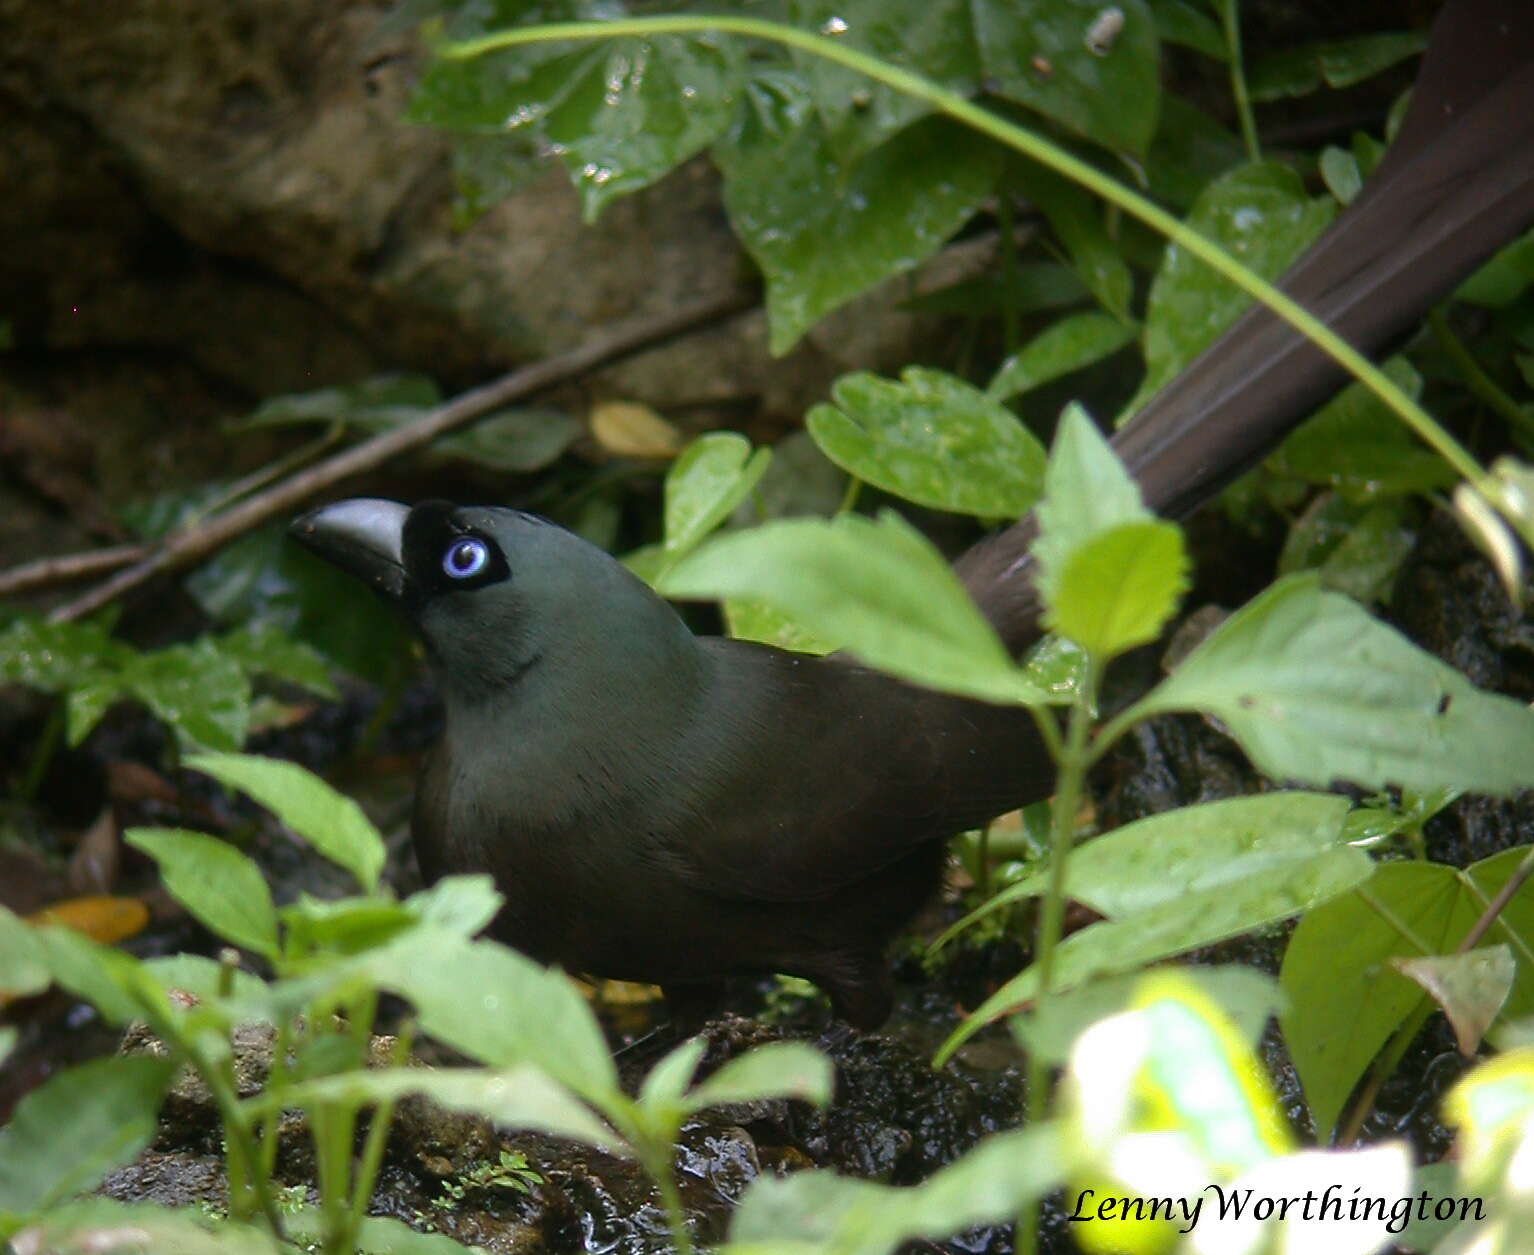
x=1456, y=185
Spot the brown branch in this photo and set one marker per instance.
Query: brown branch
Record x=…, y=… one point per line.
x=182, y=548
x=66, y=568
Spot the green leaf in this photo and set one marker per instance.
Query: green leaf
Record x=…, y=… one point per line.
x=931, y=439
x=1077, y=218
x=376, y=1235
x=344, y=926
x=1357, y=445
x=460, y=904
x=379, y=401
x=1340, y=172
x=1119, y=589
x=219, y=886
x=1157, y=860
x=1316, y=690
x=877, y=588
x=1027, y=288
x=104, y=1226
x=515, y=440
x=53, y=657
x=8, y=1035
x=1087, y=493
x=1248, y=996
x=1179, y=22
x=521, y=1097
x=666, y=1082
x=712, y=475
x=987, y=1185
x=1337, y=63
x=1259, y=213
x=76, y=1127
x=1189, y=152
x=516, y=1011
x=1065, y=59
x=270, y=651
x=1074, y=342
x=1503, y=279
x=202, y=693
x=1357, y=550
x=822, y=233
x=23, y=964
x=780, y=1070
x=111, y=981
x=1345, y=999
x=331, y=822
x=933, y=38
x=756, y=621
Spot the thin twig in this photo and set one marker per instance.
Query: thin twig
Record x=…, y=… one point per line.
x=67, y=568
x=184, y=547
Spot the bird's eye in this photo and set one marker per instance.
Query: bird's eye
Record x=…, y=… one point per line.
x=465, y=558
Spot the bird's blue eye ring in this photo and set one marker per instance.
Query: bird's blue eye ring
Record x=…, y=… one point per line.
x=465, y=558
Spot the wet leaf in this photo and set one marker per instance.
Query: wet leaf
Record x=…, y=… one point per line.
x=1077, y=218
x=1469, y=988
x=931, y=439
x=1337, y=63
x=1316, y=690
x=1072, y=343
x=1261, y=215
x=1063, y=59
x=201, y=692
x=329, y=821
x=822, y=232
x=1189, y=152
x=713, y=475
x=76, y=1127
x=1180, y=22
x=877, y=588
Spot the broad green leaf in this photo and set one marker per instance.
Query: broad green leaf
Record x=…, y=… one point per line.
x=87, y=701
x=1469, y=988
x=1087, y=492
x=620, y=113
x=987, y=1185
x=104, y=1226
x=1094, y=73
x=1118, y=589
x=219, y=886
x=205, y=979
x=822, y=232
x=1174, y=927
x=1077, y=218
x=1356, y=445
x=666, y=1082
x=515, y=440
x=878, y=589
x=520, y=1097
x=1340, y=172
x=933, y=38
x=1248, y=996
x=515, y=1011
x=382, y=400
x=1504, y=278
x=1182, y=22
x=23, y=964
x=756, y=621
x=331, y=822
x=201, y=692
x=343, y=926
x=1027, y=288
x=1344, y=999
x=780, y=1070
x=1357, y=549
x=1338, y=63
x=1157, y=860
x=461, y=904
x=931, y=439
x=1189, y=152
x=270, y=651
x=1316, y=690
x=713, y=475
x=1077, y=340
x=1058, y=667
x=54, y=656
x=1261, y=215
x=76, y=1127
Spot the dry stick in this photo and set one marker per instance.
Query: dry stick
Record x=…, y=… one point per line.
x=65, y=569
x=185, y=547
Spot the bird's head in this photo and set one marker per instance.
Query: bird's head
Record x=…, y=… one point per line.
x=503, y=598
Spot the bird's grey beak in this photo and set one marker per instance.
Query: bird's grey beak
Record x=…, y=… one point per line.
x=363, y=536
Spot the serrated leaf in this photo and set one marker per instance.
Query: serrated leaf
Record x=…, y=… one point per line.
x=201, y=692
x=331, y=822
x=76, y=1127
x=823, y=233
x=933, y=440
x=1316, y=690
x=1066, y=60
x=219, y=886
x=1074, y=342
x=877, y=588
x=1120, y=588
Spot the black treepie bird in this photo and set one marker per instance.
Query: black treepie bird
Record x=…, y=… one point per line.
x=671, y=808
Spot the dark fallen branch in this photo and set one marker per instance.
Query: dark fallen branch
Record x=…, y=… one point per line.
x=191, y=544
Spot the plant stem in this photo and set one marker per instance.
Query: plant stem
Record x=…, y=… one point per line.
x=42, y=755
x=377, y=1139
x=1476, y=379
x=1073, y=761
x=1030, y=145
x=1230, y=18
x=850, y=495
x=1385, y=1063
x=1005, y=221
x=658, y=1159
